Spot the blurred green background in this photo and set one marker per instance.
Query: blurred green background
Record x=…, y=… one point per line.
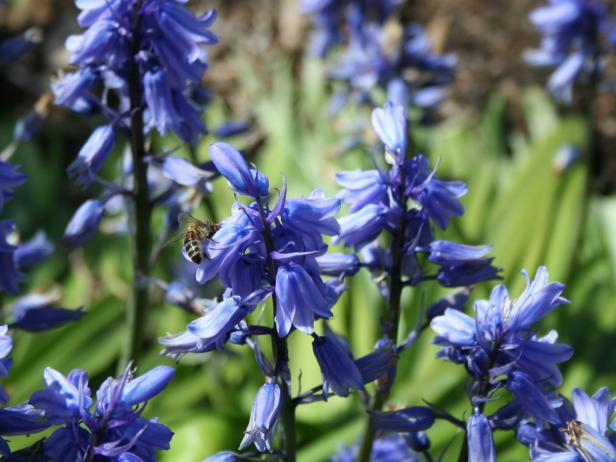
x=502, y=142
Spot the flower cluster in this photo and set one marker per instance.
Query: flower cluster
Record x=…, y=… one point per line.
x=110, y=429
x=148, y=53
x=263, y=252
x=500, y=349
x=330, y=15
x=577, y=34
x=407, y=201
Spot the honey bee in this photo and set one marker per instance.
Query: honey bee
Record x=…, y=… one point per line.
x=196, y=231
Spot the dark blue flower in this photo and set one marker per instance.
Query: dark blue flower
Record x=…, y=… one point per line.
x=224, y=456
x=10, y=178
x=480, y=439
x=361, y=188
x=10, y=276
x=462, y=265
x=27, y=126
x=337, y=264
x=361, y=227
x=92, y=156
x=84, y=223
x=572, y=31
x=113, y=429
x=242, y=179
x=337, y=367
x=36, y=312
x=6, y=345
x=388, y=448
x=14, y=48
x=410, y=419
x=19, y=420
x=34, y=251
x=170, y=58
x=301, y=297
x=263, y=418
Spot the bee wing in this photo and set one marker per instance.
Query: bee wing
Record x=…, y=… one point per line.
x=174, y=239
x=186, y=219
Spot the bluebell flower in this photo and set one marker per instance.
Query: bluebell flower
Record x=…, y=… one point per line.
x=10, y=277
x=10, y=178
x=27, y=126
x=388, y=448
x=171, y=61
x=363, y=226
x=84, y=223
x=13, y=48
x=329, y=16
x=224, y=456
x=37, y=312
x=581, y=434
x=362, y=187
x=185, y=173
x=461, y=265
x=376, y=57
x=6, y=345
x=503, y=330
x=410, y=419
x=233, y=128
x=23, y=419
x=337, y=264
x=241, y=178
x=573, y=31
x=113, y=429
x=263, y=418
x=337, y=367
x=32, y=252
x=92, y=156
x=480, y=439
x=390, y=125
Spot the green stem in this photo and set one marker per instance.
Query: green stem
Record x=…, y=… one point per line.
x=142, y=210
x=281, y=354
x=390, y=325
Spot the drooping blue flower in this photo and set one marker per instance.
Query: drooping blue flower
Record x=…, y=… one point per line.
x=23, y=419
x=27, y=126
x=338, y=264
x=410, y=419
x=6, y=345
x=224, y=456
x=185, y=173
x=113, y=429
x=263, y=418
x=480, y=439
x=10, y=178
x=13, y=48
x=462, y=265
x=84, y=223
x=574, y=35
x=337, y=367
x=37, y=312
x=32, y=252
x=92, y=156
x=363, y=226
x=241, y=178
x=388, y=448
x=10, y=277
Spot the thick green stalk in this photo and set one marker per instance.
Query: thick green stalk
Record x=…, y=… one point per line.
x=391, y=322
x=281, y=355
x=141, y=213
